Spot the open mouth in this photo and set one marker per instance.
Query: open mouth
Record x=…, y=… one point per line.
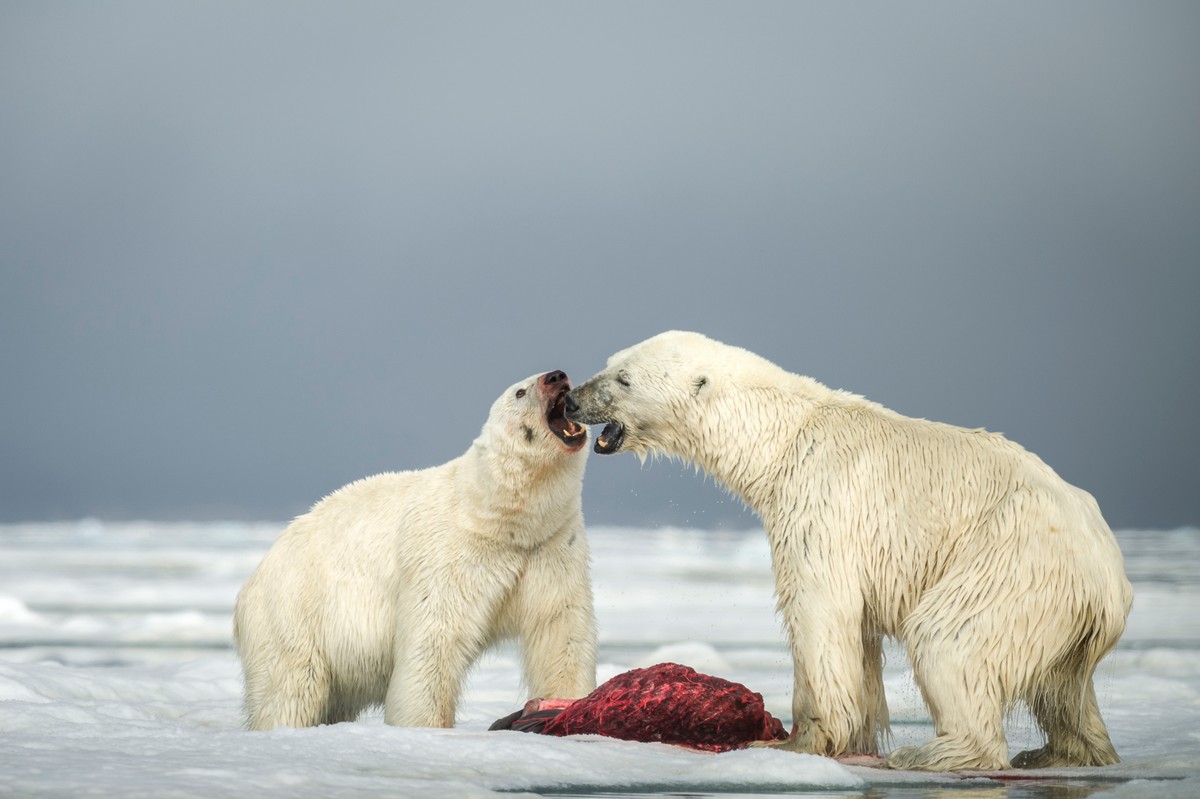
x=568, y=432
x=610, y=438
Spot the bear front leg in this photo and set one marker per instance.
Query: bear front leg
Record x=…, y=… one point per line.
x=426, y=681
x=560, y=655
x=439, y=635
x=829, y=685
x=556, y=623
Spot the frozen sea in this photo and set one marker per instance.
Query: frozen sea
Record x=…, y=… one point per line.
x=117, y=679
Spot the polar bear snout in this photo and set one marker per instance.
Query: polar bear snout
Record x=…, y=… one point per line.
x=554, y=388
x=590, y=403
x=571, y=406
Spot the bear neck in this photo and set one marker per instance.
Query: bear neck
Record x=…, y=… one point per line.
x=759, y=427
x=519, y=499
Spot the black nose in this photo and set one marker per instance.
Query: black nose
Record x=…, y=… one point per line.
x=550, y=378
x=570, y=404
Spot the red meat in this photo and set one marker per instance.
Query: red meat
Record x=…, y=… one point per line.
x=668, y=703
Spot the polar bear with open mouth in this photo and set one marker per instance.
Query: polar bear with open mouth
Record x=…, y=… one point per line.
x=1002, y=580
x=389, y=589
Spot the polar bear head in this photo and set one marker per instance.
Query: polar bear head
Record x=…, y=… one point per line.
x=662, y=395
x=530, y=417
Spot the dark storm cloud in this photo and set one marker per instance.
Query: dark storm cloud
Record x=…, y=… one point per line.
x=253, y=251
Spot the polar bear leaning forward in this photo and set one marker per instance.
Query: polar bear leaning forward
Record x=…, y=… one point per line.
x=389, y=589
x=1002, y=580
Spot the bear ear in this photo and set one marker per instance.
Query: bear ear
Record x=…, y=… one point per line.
x=699, y=384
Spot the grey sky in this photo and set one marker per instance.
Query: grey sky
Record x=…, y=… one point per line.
x=253, y=251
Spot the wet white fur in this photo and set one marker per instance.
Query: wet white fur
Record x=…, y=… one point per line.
x=389, y=589
x=1002, y=580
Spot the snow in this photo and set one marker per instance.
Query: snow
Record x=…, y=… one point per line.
x=117, y=678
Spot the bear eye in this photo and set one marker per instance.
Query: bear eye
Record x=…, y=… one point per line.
x=623, y=379
x=520, y=393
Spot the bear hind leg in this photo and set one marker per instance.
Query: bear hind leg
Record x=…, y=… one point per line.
x=1064, y=704
x=969, y=729
x=964, y=696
